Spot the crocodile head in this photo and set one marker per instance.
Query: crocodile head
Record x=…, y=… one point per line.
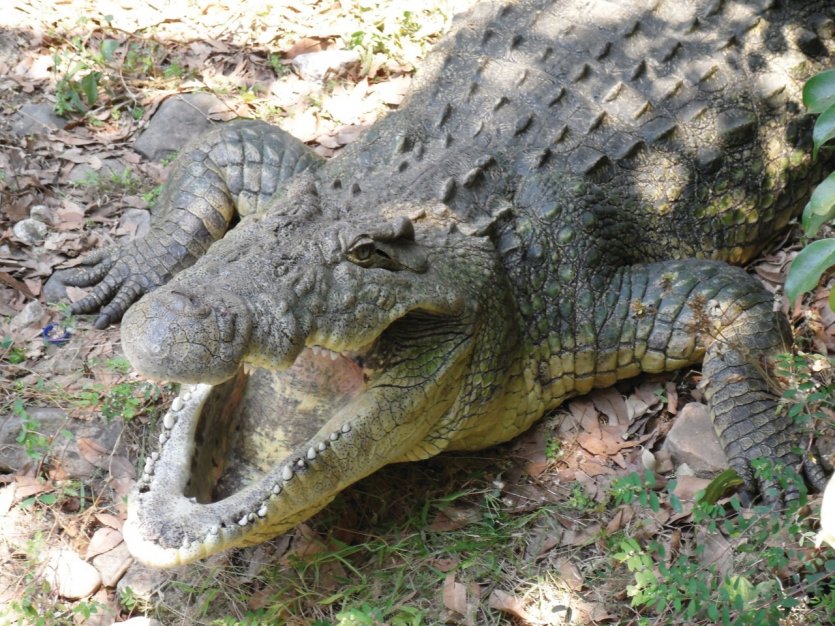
x=313, y=350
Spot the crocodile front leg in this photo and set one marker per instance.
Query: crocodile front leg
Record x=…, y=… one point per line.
x=670, y=314
x=232, y=170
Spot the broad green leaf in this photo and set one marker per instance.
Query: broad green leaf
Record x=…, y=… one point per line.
x=108, y=47
x=90, y=86
x=808, y=266
x=824, y=129
x=819, y=92
x=821, y=206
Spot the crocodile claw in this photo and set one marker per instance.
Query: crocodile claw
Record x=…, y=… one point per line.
x=120, y=275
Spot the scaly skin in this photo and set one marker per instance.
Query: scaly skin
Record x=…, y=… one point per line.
x=551, y=211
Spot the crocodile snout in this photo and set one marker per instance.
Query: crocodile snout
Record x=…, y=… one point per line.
x=187, y=336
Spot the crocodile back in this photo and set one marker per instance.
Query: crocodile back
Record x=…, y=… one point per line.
x=653, y=129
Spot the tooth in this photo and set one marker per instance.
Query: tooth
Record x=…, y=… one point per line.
x=346, y=428
x=333, y=436
x=146, y=477
x=262, y=512
x=311, y=454
x=287, y=472
x=276, y=489
x=322, y=446
x=163, y=437
x=300, y=463
x=155, y=455
x=317, y=350
x=177, y=405
x=214, y=530
x=334, y=356
x=252, y=517
x=169, y=420
x=187, y=396
x=243, y=520
x=149, y=466
x=193, y=500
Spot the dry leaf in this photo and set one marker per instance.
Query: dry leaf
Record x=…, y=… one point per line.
x=507, y=603
x=455, y=595
x=109, y=520
x=569, y=574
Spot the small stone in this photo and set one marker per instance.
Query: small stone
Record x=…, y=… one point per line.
x=54, y=289
x=145, y=584
x=317, y=66
x=693, y=441
x=69, y=575
x=113, y=564
x=30, y=232
x=30, y=314
x=42, y=213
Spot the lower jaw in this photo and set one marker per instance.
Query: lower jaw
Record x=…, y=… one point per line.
x=208, y=486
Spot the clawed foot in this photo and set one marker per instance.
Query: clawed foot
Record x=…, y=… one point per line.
x=766, y=483
x=120, y=275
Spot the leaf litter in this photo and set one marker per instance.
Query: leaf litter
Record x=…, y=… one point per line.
x=245, y=54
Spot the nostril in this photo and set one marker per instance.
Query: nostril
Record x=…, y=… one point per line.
x=187, y=304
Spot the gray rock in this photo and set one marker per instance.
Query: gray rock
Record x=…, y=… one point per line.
x=113, y=564
x=83, y=174
x=52, y=424
x=42, y=213
x=145, y=584
x=693, y=441
x=317, y=66
x=31, y=119
x=178, y=119
x=30, y=231
x=69, y=575
x=30, y=314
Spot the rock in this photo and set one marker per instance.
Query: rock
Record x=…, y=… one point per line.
x=84, y=174
x=51, y=424
x=178, y=119
x=69, y=575
x=29, y=315
x=43, y=213
x=693, y=441
x=31, y=119
x=30, y=232
x=145, y=584
x=139, y=621
x=113, y=564
x=316, y=66
x=135, y=223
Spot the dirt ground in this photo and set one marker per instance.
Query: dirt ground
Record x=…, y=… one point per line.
x=80, y=82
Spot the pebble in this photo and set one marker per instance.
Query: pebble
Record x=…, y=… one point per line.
x=69, y=575
x=30, y=231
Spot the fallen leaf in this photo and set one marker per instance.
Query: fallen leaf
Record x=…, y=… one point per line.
x=455, y=595
x=569, y=574
x=507, y=603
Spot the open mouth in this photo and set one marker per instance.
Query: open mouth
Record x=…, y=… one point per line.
x=230, y=452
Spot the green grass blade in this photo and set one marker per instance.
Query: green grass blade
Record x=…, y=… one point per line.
x=808, y=266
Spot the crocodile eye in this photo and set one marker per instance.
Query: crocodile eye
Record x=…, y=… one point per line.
x=362, y=253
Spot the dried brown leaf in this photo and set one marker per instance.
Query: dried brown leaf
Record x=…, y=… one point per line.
x=569, y=574
x=455, y=595
x=507, y=603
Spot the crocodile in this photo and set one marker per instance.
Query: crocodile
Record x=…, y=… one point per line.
x=561, y=202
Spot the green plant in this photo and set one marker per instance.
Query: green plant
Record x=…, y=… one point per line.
x=11, y=354
x=816, y=258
